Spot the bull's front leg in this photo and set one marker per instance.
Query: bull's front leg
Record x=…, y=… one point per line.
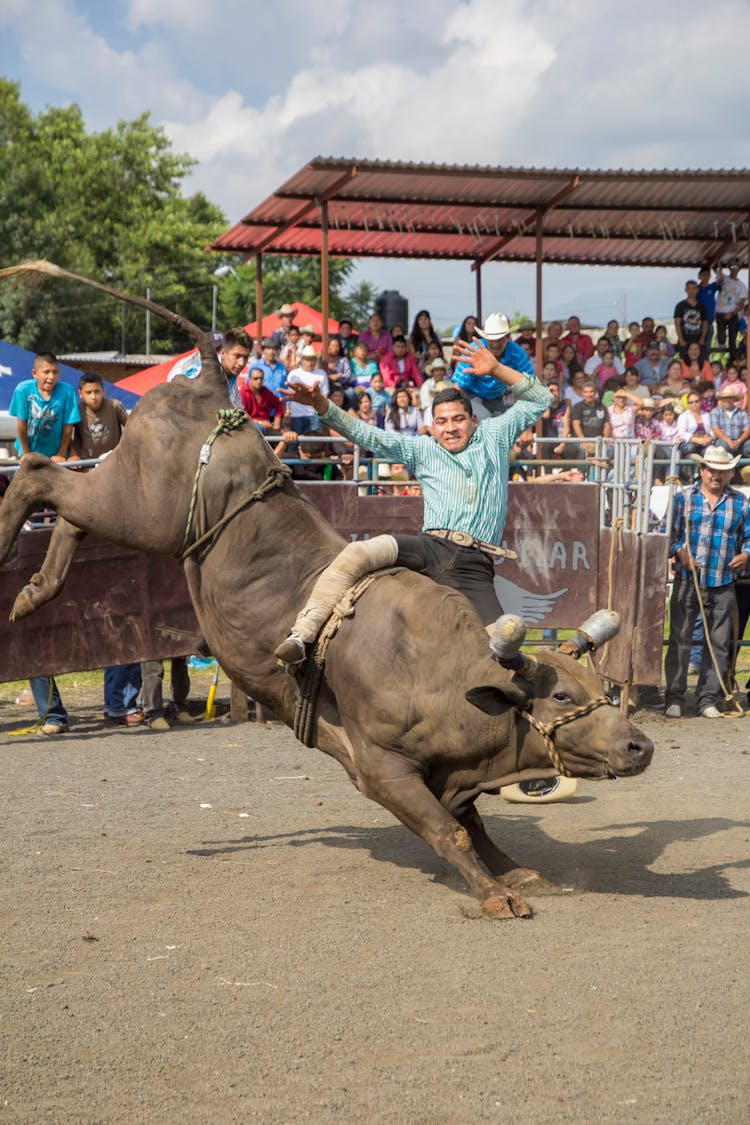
x=498, y=863
x=49, y=581
x=39, y=483
x=396, y=785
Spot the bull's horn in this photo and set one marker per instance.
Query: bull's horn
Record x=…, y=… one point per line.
x=506, y=637
x=595, y=632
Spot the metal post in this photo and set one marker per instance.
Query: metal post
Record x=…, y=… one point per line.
x=122, y=330
x=479, y=291
x=148, y=322
x=538, y=257
x=325, y=298
x=259, y=298
x=214, y=305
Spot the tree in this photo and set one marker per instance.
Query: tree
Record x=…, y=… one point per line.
x=99, y=204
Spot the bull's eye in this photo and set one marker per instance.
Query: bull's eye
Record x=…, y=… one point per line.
x=561, y=697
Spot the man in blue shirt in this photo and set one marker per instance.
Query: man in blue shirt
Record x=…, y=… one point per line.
x=488, y=394
x=711, y=539
x=707, y=290
x=46, y=411
x=274, y=372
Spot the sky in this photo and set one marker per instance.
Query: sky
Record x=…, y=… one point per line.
x=254, y=90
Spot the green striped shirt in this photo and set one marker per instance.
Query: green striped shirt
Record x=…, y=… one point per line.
x=466, y=491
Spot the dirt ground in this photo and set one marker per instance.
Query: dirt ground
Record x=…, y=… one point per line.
x=211, y=925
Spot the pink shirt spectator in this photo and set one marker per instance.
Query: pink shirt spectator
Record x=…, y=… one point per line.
x=375, y=344
x=622, y=421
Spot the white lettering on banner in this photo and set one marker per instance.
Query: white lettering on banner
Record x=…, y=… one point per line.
x=531, y=555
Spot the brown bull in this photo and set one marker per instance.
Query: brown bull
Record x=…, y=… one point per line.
x=423, y=744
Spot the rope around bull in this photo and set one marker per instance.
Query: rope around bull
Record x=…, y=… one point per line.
x=276, y=476
x=547, y=730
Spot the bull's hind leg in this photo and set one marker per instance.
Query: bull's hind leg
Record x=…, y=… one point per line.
x=398, y=787
x=497, y=862
x=49, y=581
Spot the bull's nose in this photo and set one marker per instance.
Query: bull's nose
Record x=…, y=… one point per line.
x=641, y=750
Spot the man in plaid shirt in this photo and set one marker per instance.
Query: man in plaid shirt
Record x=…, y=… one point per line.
x=730, y=425
x=711, y=535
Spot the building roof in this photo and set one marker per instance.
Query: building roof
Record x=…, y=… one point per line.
x=399, y=210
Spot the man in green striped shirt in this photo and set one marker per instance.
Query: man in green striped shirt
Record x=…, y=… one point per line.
x=463, y=469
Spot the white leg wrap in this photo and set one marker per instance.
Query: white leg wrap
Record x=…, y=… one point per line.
x=355, y=561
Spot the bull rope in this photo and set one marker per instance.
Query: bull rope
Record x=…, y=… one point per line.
x=276, y=476
x=547, y=730
x=305, y=707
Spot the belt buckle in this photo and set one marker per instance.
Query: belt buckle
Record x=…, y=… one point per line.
x=462, y=539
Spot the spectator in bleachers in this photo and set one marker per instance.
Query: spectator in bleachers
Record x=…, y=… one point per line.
x=652, y=369
x=488, y=395
x=399, y=364
x=552, y=355
x=570, y=362
x=554, y=336
x=274, y=371
x=556, y=423
x=378, y=341
x=639, y=344
x=397, y=330
x=381, y=398
x=646, y=428
x=733, y=381
x=263, y=407
x=631, y=350
x=607, y=370
x=633, y=383
x=303, y=418
x=694, y=427
x=364, y=409
x=621, y=415
x=281, y=336
x=363, y=368
x=347, y=338
x=434, y=351
x=667, y=419
x=694, y=367
x=707, y=391
x=436, y=372
x=612, y=332
x=580, y=340
x=674, y=386
x=707, y=290
x=717, y=371
x=288, y=353
x=401, y=416
x=573, y=392
x=690, y=320
x=550, y=374
x=422, y=334
x=731, y=302
x=730, y=425
x=468, y=328
x=666, y=349
x=593, y=364
x=306, y=337
x=588, y=418
x=339, y=368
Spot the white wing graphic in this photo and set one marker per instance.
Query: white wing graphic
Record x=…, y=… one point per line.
x=533, y=608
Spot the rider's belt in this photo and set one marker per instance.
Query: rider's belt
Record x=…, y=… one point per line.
x=463, y=539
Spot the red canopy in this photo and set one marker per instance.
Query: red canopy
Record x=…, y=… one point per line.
x=144, y=380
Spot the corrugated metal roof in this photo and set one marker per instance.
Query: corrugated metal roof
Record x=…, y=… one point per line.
x=399, y=210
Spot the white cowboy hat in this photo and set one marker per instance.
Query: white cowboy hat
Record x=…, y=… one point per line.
x=717, y=457
x=495, y=327
x=308, y=352
x=437, y=364
x=287, y=310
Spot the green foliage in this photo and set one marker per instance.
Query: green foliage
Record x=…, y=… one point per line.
x=109, y=204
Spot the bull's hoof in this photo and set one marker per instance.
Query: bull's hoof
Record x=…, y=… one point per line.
x=29, y=600
x=506, y=906
x=530, y=881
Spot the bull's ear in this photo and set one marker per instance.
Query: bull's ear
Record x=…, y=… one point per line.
x=493, y=699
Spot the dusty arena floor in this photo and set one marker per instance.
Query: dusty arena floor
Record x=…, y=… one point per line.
x=211, y=925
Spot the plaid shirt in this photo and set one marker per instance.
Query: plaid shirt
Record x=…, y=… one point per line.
x=732, y=422
x=716, y=534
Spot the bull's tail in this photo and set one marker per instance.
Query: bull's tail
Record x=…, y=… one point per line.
x=34, y=273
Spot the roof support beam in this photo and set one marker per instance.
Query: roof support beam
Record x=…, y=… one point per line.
x=537, y=215
x=302, y=211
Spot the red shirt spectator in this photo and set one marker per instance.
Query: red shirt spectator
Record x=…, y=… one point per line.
x=582, y=343
x=259, y=403
x=400, y=365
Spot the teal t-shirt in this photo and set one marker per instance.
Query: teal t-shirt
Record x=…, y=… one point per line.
x=44, y=417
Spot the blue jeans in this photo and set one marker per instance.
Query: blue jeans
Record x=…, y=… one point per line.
x=121, y=687
x=49, y=706
x=306, y=424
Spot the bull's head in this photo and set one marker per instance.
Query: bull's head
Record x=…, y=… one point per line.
x=571, y=723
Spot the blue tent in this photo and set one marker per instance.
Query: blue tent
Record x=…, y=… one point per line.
x=16, y=364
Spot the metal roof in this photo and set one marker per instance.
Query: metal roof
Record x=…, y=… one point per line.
x=399, y=210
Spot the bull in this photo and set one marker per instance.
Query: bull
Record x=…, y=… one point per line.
x=423, y=744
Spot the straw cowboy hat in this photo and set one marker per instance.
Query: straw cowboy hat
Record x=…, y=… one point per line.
x=717, y=457
x=286, y=310
x=495, y=327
